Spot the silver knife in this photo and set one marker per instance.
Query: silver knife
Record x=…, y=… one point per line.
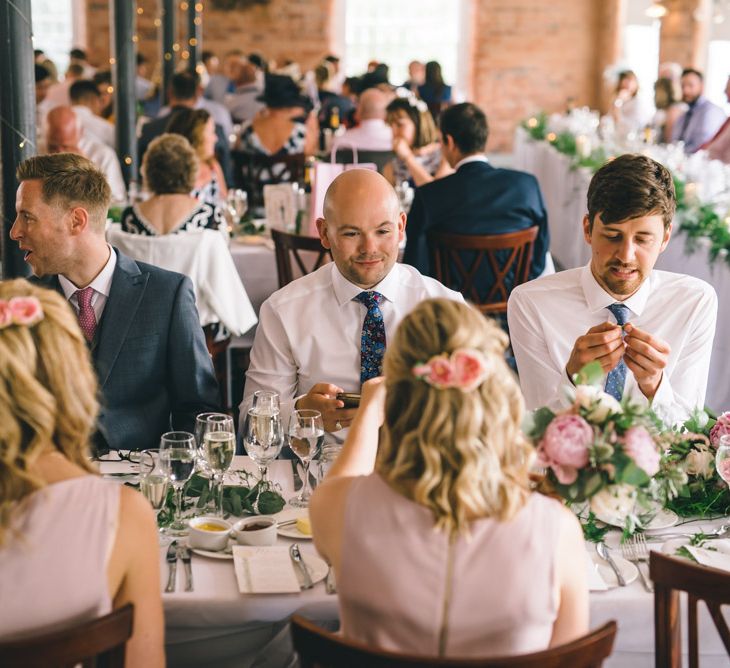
x=171, y=566
x=296, y=557
x=184, y=554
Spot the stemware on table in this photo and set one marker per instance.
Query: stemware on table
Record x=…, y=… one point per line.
x=263, y=438
x=217, y=450
x=722, y=458
x=177, y=460
x=153, y=481
x=306, y=435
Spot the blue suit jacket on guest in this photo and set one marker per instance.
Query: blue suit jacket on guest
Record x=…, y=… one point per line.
x=476, y=199
x=150, y=356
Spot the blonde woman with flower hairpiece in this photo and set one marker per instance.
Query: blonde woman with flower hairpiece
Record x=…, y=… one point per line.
x=72, y=546
x=438, y=545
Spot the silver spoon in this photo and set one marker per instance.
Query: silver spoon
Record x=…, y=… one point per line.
x=605, y=554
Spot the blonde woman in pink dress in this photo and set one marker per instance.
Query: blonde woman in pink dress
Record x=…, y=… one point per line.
x=73, y=547
x=438, y=545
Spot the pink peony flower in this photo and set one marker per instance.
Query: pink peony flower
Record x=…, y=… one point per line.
x=437, y=372
x=564, y=446
x=721, y=428
x=6, y=315
x=469, y=368
x=25, y=310
x=639, y=445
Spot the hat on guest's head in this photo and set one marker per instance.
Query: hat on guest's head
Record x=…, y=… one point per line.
x=281, y=91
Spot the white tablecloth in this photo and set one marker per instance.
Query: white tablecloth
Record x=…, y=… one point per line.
x=565, y=192
x=256, y=265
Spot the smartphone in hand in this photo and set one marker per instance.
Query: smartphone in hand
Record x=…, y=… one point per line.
x=350, y=399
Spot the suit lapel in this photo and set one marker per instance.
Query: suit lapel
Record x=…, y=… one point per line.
x=127, y=289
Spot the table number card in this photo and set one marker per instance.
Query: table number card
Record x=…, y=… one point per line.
x=281, y=206
x=264, y=570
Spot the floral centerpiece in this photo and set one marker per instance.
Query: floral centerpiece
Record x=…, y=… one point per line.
x=605, y=453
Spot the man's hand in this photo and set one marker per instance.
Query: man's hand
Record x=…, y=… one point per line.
x=322, y=398
x=603, y=342
x=646, y=357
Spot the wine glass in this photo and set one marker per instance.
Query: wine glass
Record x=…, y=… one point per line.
x=177, y=460
x=219, y=446
x=153, y=482
x=264, y=438
x=237, y=201
x=722, y=458
x=265, y=401
x=306, y=435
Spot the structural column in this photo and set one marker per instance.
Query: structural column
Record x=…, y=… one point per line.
x=684, y=33
x=195, y=40
x=17, y=118
x=168, y=42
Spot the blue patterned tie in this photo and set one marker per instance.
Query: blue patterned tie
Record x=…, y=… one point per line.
x=617, y=376
x=372, y=341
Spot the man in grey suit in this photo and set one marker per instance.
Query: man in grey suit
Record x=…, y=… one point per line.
x=140, y=321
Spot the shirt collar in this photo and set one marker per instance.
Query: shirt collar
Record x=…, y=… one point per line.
x=101, y=284
x=345, y=291
x=598, y=299
x=479, y=157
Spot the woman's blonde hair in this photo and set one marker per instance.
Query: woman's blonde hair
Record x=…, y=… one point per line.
x=460, y=454
x=47, y=394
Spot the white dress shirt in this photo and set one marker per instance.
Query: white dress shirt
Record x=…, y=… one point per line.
x=102, y=285
x=547, y=315
x=96, y=126
x=106, y=160
x=373, y=134
x=309, y=331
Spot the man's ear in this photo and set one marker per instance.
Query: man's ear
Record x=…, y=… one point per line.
x=667, y=237
x=322, y=230
x=79, y=219
x=587, y=229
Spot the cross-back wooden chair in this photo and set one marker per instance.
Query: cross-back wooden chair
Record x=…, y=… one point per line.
x=508, y=257
x=251, y=171
x=701, y=583
x=302, y=250
x=318, y=648
x=100, y=642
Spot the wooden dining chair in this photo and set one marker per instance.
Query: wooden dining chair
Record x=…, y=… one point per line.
x=318, y=648
x=701, y=583
x=100, y=642
x=248, y=169
x=378, y=158
x=485, y=268
x=307, y=252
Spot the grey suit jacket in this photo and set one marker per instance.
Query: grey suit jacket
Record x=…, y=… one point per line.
x=150, y=356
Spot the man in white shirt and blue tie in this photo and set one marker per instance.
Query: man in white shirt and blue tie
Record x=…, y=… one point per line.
x=651, y=330
x=326, y=332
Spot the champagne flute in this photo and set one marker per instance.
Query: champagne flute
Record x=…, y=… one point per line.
x=264, y=438
x=177, y=461
x=219, y=446
x=153, y=482
x=237, y=203
x=306, y=435
x=722, y=458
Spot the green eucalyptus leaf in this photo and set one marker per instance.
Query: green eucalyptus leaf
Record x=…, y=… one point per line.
x=270, y=503
x=590, y=374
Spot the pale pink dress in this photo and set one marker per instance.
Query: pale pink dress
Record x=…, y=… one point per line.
x=54, y=573
x=402, y=588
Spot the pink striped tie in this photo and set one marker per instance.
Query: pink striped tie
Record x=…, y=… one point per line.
x=87, y=317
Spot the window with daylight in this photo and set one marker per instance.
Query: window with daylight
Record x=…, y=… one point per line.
x=641, y=54
x=58, y=26
x=396, y=33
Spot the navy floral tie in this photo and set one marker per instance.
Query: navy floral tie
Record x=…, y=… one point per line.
x=616, y=378
x=372, y=341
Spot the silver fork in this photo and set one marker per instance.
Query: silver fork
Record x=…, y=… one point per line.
x=635, y=551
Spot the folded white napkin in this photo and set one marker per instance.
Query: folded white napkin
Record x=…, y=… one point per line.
x=595, y=581
x=715, y=554
x=264, y=570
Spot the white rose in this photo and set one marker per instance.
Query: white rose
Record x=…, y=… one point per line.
x=598, y=404
x=613, y=503
x=699, y=462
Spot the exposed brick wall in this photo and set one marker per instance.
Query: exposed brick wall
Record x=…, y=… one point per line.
x=683, y=37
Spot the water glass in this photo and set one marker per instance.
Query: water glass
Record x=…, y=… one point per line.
x=263, y=439
x=306, y=435
x=722, y=458
x=265, y=401
x=177, y=461
x=330, y=453
x=219, y=446
x=153, y=481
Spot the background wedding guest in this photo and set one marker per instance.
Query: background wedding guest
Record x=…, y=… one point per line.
x=372, y=133
x=718, y=148
x=668, y=109
x=476, y=199
x=334, y=108
x=73, y=547
x=243, y=103
x=630, y=111
x=445, y=489
x=86, y=103
x=416, y=76
x=326, y=332
x=415, y=142
x=169, y=170
x=434, y=91
x=651, y=330
x=702, y=119
x=140, y=321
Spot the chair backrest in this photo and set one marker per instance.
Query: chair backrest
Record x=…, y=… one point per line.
x=345, y=156
x=251, y=171
x=288, y=246
x=321, y=649
x=458, y=261
x=701, y=583
x=98, y=642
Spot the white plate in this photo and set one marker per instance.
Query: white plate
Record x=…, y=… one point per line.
x=662, y=520
x=291, y=530
x=628, y=570
x=223, y=554
x=317, y=568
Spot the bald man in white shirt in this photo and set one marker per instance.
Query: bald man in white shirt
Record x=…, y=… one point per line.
x=325, y=332
x=651, y=330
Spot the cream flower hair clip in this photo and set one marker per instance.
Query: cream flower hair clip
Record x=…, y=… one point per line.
x=20, y=311
x=465, y=369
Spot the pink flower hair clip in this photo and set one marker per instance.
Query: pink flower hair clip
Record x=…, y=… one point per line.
x=20, y=311
x=465, y=369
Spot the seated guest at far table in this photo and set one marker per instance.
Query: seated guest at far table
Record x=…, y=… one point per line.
x=651, y=330
x=477, y=198
x=372, y=132
x=73, y=547
x=326, y=332
x=169, y=168
x=703, y=118
x=718, y=148
x=467, y=561
x=140, y=321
